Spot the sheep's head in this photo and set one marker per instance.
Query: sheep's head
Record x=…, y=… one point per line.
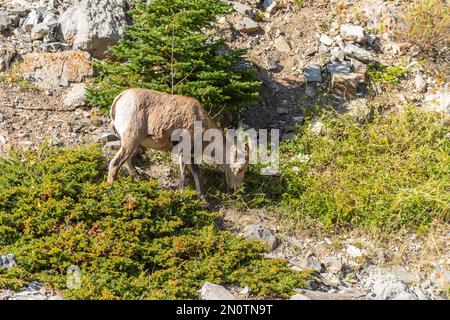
x=235, y=170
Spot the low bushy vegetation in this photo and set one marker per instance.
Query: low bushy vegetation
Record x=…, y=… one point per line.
x=12, y=77
x=131, y=241
x=386, y=75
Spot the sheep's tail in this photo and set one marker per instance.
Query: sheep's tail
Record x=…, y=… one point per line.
x=112, y=112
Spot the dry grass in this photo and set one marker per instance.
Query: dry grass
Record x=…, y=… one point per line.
x=427, y=25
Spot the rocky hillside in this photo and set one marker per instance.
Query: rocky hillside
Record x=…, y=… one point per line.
x=346, y=55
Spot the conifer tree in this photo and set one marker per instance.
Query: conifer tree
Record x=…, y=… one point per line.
x=170, y=47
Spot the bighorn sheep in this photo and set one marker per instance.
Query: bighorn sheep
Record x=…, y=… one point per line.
x=146, y=117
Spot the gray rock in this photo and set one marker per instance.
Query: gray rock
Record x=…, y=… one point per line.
x=7, y=54
x=299, y=296
x=353, y=51
x=39, y=31
x=337, y=54
x=50, y=20
x=310, y=91
x=353, y=251
x=333, y=264
x=345, y=84
x=420, y=294
x=323, y=48
x=5, y=22
x=371, y=38
x=339, y=67
x=310, y=51
x=386, y=289
x=319, y=295
x=312, y=262
x=211, y=291
x=15, y=22
x=94, y=25
x=441, y=278
x=326, y=40
x=113, y=145
x=7, y=261
x=439, y=102
x=420, y=83
x=269, y=5
x=281, y=110
x=330, y=279
x=313, y=73
x=76, y=97
x=31, y=20
x=243, y=8
x=247, y=25
x=23, y=35
x=350, y=32
x=27, y=296
x=288, y=136
x=358, y=108
x=18, y=11
x=405, y=275
x=405, y=296
x=299, y=119
x=34, y=291
x=273, y=65
x=106, y=137
x=261, y=233
x=317, y=126
x=385, y=285
x=282, y=45
x=51, y=46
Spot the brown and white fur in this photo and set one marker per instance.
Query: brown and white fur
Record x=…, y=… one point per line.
x=148, y=118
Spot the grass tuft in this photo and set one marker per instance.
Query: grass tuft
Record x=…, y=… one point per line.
x=389, y=173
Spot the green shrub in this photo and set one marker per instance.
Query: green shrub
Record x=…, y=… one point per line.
x=167, y=49
x=131, y=241
x=389, y=173
x=386, y=75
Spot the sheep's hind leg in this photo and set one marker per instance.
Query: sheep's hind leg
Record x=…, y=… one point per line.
x=131, y=168
x=182, y=167
x=195, y=170
x=123, y=155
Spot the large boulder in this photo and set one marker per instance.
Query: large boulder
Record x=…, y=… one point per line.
x=94, y=25
x=211, y=291
x=59, y=69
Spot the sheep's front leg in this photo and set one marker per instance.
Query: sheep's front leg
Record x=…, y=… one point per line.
x=131, y=168
x=123, y=155
x=195, y=170
x=182, y=167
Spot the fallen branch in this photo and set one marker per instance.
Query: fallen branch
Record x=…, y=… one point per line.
x=40, y=109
